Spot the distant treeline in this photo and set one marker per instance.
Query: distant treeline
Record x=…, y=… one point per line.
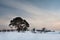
x=7, y=30
x=42, y=30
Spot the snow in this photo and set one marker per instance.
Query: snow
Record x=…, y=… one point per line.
x=29, y=36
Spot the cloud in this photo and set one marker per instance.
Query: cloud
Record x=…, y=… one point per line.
x=37, y=17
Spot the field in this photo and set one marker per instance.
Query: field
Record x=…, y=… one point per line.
x=29, y=36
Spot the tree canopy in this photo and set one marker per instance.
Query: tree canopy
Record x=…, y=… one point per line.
x=19, y=23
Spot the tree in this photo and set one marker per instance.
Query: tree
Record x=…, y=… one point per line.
x=19, y=23
x=43, y=29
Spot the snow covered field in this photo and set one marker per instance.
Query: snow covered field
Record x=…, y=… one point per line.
x=29, y=36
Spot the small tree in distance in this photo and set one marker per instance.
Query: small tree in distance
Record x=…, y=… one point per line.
x=19, y=23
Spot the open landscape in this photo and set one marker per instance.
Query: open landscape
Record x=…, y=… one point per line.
x=29, y=19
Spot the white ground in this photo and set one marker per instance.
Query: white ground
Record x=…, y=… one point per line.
x=29, y=36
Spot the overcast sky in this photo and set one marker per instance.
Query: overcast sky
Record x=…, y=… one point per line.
x=39, y=13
